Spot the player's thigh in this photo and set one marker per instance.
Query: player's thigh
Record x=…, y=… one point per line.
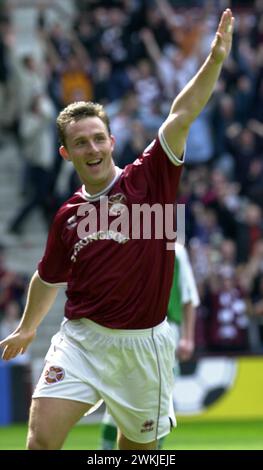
x=50, y=421
x=126, y=444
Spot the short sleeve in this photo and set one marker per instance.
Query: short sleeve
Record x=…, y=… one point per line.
x=161, y=170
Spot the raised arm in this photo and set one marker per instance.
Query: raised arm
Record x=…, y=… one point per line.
x=194, y=96
x=40, y=299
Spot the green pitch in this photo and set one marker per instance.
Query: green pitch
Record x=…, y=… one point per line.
x=245, y=435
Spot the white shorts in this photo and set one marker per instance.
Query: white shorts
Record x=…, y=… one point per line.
x=131, y=370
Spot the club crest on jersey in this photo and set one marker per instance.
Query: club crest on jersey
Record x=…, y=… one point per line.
x=117, y=203
x=54, y=374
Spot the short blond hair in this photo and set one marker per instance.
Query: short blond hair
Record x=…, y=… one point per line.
x=80, y=110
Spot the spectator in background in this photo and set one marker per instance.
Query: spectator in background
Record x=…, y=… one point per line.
x=4, y=68
x=228, y=313
x=225, y=202
x=32, y=79
x=12, y=286
x=75, y=82
x=105, y=86
x=4, y=73
x=243, y=97
x=87, y=34
x=122, y=116
x=200, y=147
x=207, y=229
x=131, y=148
x=38, y=149
x=242, y=144
x=253, y=183
x=9, y=84
x=257, y=296
x=173, y=69
x=249, y=231
x=223, y=116
x=60, y=40
x=228, y=253
x=9, y=322
x=146, y=86
x=70, y=67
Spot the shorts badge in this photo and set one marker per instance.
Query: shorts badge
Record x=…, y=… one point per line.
x=54, y=374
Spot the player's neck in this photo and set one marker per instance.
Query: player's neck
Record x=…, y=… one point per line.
x=96, y=188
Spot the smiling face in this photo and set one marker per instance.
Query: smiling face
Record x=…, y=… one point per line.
x=89, y=146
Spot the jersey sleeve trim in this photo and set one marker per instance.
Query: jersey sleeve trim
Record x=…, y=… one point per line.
x=55, y=284
x=172, y=157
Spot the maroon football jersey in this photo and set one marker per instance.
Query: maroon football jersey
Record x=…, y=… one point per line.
x=116, y=281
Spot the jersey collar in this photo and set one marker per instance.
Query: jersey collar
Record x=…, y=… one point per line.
x=97, y=196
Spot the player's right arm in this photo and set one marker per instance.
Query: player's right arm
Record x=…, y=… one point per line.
x=187, y=106
x=40, y=299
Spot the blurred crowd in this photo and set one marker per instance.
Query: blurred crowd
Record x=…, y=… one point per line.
x=134, y=56
x=12, y=297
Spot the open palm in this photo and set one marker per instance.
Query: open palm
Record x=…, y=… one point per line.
x=221, y=45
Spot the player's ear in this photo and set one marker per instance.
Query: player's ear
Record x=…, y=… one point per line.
x=112, y=138
x=64, y=153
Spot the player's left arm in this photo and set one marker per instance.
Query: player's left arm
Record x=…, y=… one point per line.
x=190, y=300
x=194, y=96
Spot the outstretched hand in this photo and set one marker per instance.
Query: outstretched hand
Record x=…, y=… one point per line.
x=222, y=43
x=16, y=343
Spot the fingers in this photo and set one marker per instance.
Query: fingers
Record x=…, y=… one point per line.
x=217, y=41
x=232, y=23
x=10, y=353
x=227, y=22
x=221, y=23
x=11, y=348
